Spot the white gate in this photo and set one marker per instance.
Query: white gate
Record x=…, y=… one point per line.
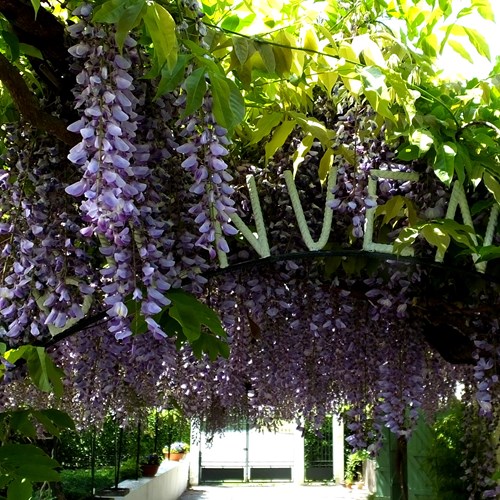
x=250, y=455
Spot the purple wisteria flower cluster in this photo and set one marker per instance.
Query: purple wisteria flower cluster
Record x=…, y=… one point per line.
x=205, y=151
x=486, y=374
x=51, y=274
x=118, y=207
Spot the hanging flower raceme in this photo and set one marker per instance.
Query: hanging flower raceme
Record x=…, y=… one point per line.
x=116, y=175
x=205, y=151
x=47, y=273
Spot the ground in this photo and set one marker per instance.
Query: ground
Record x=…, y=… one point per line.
x=281, y=491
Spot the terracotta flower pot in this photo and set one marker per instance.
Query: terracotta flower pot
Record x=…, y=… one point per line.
x=149, y=470
x=176, y=456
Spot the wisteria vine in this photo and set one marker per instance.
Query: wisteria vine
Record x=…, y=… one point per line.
x=149, y=207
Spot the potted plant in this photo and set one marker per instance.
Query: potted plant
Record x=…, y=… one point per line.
x=176, y=450
x=150, y=465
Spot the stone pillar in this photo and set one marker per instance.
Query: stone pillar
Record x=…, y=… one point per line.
x=194, y=456
x=298, y=462
x=338, y=449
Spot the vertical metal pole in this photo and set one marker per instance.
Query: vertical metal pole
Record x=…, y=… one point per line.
x=118, y=457
x=169, y=434
x=138, y=453
x=246, y=477
x=92, y=460
x=200, y=456
x=156, y=431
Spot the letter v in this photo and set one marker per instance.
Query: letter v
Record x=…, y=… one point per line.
x=299, y=212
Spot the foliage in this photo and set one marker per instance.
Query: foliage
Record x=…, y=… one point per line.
x=22, y=463
x=316, y=443
x=74, y=448
x=354, y=463
x=126, y=234
x=447, y=451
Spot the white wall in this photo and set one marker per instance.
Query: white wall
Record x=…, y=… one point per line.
x=168, y=484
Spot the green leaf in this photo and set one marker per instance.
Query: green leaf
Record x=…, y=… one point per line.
x=325, y=165
x=375, y=89
x=460, y=49
x=241, y=47
x=20, y=489
x=196, y=87
x=481, y=205
x=14, y=355
x=279, y=137
x=230, y=23
x=264, y=126
x=392, y=209
x=444, y=163
x=408, y=152
x=161, y=28
x=445, y=5
x=47, y=423
x=195, y=48
x=479, y=42
x=438, y=233
x=39, y=472
x=430, y=45
x=110, y=11
x=172, y=327
x=125, y=14
x=59, y=418
x=328, y=79
x=462, y=162
x=227, y=102
x=192, y=315
x=12, y=42
x=489, y=252
x=171, y=78
x=28, y=461
x=43, y=372
x=210, y=345
x=461, y=233
x=302, y=149
x=268, y=56
x=131, y=17
x=314, y=127
x=29, y=50
x=484, y=9
x=283, y=55
x=405, y=239
x=436, y=236
x=20, y=422
x=493, y=186
x=380, y=105
x=423, y=139
x=372, y=53
x=36, y=6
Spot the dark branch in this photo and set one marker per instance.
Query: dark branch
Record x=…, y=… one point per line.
x=28, y=106
x=43, y=31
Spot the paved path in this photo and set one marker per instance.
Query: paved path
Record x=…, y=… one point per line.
x=276, y=491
